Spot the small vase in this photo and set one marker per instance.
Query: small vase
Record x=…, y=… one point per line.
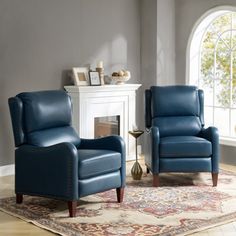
x=136, y=171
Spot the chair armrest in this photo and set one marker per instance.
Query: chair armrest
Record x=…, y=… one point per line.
x=113, y=143
x=47, y=171
x=155, y=134
x=212, y=135
x=152, y=149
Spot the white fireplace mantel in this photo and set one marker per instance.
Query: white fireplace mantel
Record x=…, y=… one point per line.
x=106, y=100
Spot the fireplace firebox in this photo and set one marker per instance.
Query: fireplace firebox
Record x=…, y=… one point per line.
x=107, y=125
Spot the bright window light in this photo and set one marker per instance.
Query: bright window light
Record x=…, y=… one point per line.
x=212, y=67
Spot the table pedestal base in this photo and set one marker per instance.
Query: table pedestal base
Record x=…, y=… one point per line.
x=136, y=171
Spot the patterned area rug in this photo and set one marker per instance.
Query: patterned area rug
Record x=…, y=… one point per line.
x=185, y=203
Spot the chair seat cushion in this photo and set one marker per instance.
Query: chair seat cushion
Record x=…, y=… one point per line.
x=185, y=146
x=94, y=162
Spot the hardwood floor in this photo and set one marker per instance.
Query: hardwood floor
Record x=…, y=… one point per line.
x=12, y=226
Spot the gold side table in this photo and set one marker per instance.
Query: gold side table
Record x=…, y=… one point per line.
x=136, y=170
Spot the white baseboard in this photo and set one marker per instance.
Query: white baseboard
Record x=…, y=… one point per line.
x=7, y=170
x=130, y=158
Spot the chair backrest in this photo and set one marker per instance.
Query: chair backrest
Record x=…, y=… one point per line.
x=176, y=110
x=42, y=118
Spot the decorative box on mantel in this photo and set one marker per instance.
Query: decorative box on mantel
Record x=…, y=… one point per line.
x=105, y=110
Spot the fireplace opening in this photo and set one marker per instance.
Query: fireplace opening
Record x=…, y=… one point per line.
x=107, y=125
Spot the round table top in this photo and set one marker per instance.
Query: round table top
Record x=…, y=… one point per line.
x=136, y=133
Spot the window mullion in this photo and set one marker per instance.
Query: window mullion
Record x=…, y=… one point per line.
x=214, y=79
x=231, y=76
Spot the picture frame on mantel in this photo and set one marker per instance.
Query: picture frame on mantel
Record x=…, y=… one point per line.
x=94, y=78
x=80, y=76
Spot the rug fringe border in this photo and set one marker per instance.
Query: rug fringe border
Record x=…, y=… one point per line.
x=33, y=222
x=62, y=234
x=207, y=227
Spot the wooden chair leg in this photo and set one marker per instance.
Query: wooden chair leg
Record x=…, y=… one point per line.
x=148, y=171
x=72, y=208
x=19, y=198
x=156, y=181
x=214, y=179
x=120, y=194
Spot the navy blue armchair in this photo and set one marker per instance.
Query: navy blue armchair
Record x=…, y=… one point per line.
x=176, y=138
x=50, y=158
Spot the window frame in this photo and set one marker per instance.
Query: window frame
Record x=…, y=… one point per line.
x=193, y=56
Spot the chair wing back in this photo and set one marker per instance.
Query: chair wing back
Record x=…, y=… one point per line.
x=42, y=118
x=176, y=110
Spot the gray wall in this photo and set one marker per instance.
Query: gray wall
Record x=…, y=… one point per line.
x=186, y=15
x=40, y=40
x=148, y=53
x=157, y=49
x=157, y=42
x=165, y=42
x=148, y=42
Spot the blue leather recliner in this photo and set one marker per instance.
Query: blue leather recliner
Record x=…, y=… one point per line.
x=50, y=158
x=176, y=139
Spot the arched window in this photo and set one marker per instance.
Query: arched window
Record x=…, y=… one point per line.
x=212, y=67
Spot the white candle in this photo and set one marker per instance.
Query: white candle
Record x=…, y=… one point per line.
x=100, y=64
x=135, y=127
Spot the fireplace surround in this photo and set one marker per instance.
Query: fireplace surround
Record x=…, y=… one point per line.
x=98, y=110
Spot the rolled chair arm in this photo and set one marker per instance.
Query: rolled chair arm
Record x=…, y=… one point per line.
x=212, y=135
x=47, y=171
x=113, y=143
x=151, y=146
x=155, y=149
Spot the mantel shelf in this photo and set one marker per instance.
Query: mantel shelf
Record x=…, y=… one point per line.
x=107, y=88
